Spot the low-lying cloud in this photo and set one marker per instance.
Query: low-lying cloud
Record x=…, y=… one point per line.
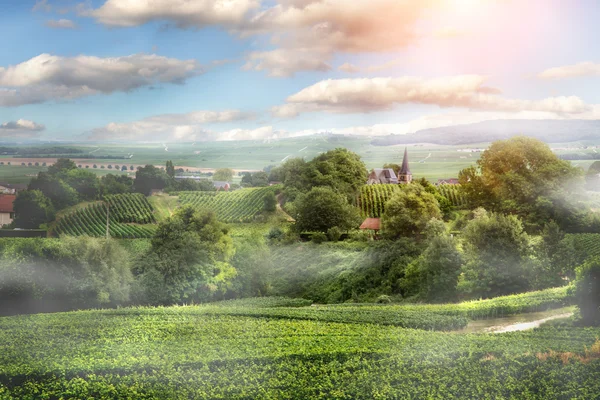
x=381, y=94
x=571, y=71
x=61, y=24
x=193, y=126
x=20, y=128
x=49, y=77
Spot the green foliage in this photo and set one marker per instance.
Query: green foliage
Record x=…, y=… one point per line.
x=39, y=275
x=170, y=169
x=32, y=209
x=334, y=234
x=454, y=194
x=434, y=275
x=188, y=260
x=61, y=167
x=318, y=237
x=116, y=184
x=408, y=211
x=321, y=209
x=497, y=257
x=56, y=189
x=238, y=206
x=587, y=291
x=254, y=266
x=223, y=174
x=523, y=176
x=270, y=201
x=149, y=178
x=86, y=183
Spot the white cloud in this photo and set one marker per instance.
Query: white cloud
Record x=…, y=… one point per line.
x=21, y=128
x=172, y=127
x=48, y=77
x=61, y=24
x=183, y=13
x=353, y=69
x=381, y=94
x=571, y=71
x=285, y=62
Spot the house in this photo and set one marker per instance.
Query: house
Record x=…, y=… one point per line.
x=12, y=188
x=382, y=175
x=449, y=181
x=7, y=211
x=372, y=224
x=220, y=185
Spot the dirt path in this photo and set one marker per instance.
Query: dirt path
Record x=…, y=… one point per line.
x=515, y=323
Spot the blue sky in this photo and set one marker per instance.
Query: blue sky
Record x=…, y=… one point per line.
x=188, y=70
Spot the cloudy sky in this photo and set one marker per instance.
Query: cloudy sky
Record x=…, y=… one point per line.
x=190, y=70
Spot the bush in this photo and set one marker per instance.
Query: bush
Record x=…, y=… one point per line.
x=318, y=237
x=587, y=291
x=384, y=299
x=334, y=234
x=275, y=233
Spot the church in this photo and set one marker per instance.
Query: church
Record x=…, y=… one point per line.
x=388, y=175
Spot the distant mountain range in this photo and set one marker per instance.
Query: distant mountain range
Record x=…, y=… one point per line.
x=549, y=131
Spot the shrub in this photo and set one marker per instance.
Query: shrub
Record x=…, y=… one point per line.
x=334, y=234
x=275, y=233
x=318, y=237
x=587, y=291
x=384, y=299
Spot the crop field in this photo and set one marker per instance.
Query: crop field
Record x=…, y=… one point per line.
x=131, y=216
x=237, y=206
x=589, y=243
x=453, y=193
x=244, y=350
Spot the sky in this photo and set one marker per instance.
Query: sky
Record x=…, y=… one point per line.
x=198, y=70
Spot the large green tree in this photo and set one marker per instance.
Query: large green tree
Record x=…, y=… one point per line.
x=86, y=183
x=56, y=189
x=223, y=174
x=148, y=178
x=116, y=184
x=408, y=212
x=497, y=254
x=321, y=209
x=523, y=176
x=32, y=209
x=188, y=260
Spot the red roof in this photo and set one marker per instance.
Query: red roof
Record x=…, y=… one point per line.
x=371, y=223
x=6, y=203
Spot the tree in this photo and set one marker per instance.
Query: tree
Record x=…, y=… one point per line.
x=223, y=174
x=260, y=179
x=497, y=257
x=592, y=176
x=188, y=259
x=170, y=169
x=321, y=209
x=58, y=191
x=148, y=178
x=522, y=176
x=434, y=275
x=395, y=167
x=32, y=209
x=86, y=183
x=270, y=202
x=587, y=291
x=408, y=212
x=61, y=166
x=246, y=179
x=116, y=184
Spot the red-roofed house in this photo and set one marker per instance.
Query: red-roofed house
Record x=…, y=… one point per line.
x=7, y=211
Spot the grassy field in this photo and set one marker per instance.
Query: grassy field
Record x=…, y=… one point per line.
x=242, y=350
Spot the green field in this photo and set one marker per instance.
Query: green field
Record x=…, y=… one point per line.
x=282, y=349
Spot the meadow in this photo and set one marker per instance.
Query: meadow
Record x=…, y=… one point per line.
x=241, y=350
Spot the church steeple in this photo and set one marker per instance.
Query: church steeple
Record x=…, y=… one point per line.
x=405, y=176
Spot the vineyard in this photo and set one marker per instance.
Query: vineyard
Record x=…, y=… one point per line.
x=131, y=216
x=454, y=194
x=284, y=349
x=238, y=206
x=372, y=198
x=586, y=243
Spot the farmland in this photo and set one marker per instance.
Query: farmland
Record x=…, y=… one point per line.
x=243, y=349
x=131, y=216
x=238, y=206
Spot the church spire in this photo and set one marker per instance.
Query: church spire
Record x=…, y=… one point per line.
x=405, y=176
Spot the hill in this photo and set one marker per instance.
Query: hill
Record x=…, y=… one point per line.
x=549, y=131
